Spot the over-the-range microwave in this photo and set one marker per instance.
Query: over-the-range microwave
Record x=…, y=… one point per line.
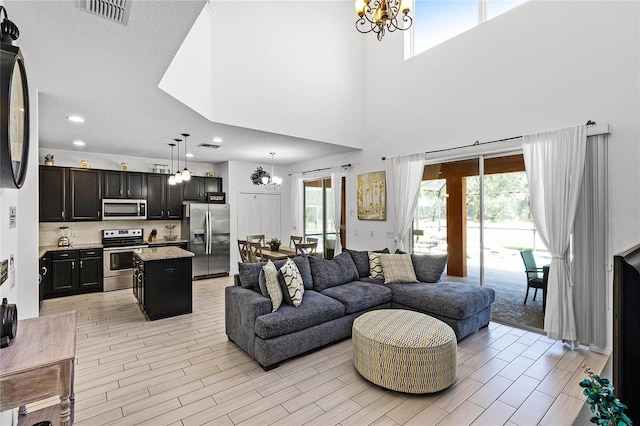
x=117, y=209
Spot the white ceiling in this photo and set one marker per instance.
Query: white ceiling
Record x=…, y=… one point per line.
x=109, y=74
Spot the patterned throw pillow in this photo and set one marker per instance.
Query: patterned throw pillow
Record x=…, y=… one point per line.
x=375, y=268
x=398, y=268
x=272, y=284
x=293, y=282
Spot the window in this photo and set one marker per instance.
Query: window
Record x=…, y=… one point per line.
x=436, y=21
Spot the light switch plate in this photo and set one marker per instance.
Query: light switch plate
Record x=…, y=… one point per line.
x=12, y=217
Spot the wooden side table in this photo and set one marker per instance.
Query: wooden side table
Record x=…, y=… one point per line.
x=39, y=364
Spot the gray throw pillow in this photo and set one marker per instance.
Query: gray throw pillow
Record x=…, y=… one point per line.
x=429, y=267
x=249, y=274
x=330, y=273
x=361, y=260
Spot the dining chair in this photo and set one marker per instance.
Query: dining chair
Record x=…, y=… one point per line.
x=312, y=240
x=255, y=251
x=536, y=277
x=306, y=248
x=244, y=251
x=294, y=239
x=258, y=238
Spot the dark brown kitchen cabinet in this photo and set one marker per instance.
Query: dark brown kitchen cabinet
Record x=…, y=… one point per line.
x=74, y=272
x=119, y=184
x=164, y=201
x=197, y=187
x=54, y=194
x=90, y=274
x=64, y=276
x=86, y=194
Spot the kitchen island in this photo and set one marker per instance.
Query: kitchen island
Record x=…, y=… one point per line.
x=162, y=281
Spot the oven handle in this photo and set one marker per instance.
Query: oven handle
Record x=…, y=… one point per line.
x=122, y=249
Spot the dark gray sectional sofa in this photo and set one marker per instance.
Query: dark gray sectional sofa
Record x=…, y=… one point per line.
x=336, y=292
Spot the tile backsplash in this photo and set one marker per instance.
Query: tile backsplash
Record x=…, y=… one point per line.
x=91, y=232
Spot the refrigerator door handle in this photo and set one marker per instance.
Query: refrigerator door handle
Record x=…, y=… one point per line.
x=210, y=231
x=207, y=233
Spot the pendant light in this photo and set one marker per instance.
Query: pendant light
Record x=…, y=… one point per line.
x=272, y=182
x=186, y=176
x=172, y=178
x=178, y=175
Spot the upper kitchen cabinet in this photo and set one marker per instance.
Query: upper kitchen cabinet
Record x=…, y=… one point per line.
x=54, y=190
x=197, y=187
x=164, y=201
x=86, y=194
x=119, y=184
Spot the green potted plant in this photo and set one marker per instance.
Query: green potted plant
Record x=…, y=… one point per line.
x=274, y=244
x=606, y=407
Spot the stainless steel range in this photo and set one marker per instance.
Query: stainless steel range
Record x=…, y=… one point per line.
x=118, y=246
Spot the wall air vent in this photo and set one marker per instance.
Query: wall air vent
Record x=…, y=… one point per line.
x=111, y=10
x=209, y=145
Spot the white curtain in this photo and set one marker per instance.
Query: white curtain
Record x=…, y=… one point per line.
x=404, y=176
x=589, y=254
x=554, y=163
x=297, y=208
x=336, y=201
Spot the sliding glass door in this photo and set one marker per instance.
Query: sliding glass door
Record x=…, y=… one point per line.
x=477, y=211
x=318, y=215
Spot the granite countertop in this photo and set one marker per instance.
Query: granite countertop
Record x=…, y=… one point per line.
x=42, y=250
x=162, y=241
x=161, y=253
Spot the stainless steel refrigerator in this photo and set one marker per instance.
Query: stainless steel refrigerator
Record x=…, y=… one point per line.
x=206, y=227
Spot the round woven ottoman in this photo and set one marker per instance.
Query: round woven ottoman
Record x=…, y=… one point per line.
x=405, y=351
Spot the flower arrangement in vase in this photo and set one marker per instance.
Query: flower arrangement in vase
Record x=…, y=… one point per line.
x=274, y=244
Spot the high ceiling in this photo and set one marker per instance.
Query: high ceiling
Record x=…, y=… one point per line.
x=108, y=73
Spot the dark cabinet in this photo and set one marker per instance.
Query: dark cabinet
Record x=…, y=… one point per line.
x=124, y=185
x=74, y=272
x=163, y=288
x=54, y=194
x=164, y=201
x=64, y=277
x=86, y=194
x=90, y=273
x=197, y=188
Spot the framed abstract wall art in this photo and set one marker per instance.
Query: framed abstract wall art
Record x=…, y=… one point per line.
x=372, y=196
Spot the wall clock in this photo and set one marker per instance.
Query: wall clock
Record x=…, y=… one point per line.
x=14, y=117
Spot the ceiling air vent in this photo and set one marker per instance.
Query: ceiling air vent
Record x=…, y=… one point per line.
x=111, y=10
x=209, y=145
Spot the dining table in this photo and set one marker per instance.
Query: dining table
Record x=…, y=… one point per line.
x=281, y=254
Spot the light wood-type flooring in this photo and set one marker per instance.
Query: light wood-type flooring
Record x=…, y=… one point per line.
x=184, y=371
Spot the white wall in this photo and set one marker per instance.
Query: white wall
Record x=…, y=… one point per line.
x=297, y=71
x=22, y=241
x=188, y=77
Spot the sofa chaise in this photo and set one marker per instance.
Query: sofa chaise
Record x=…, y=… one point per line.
x=335, y=293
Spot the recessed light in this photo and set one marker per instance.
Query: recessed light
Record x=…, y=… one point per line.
x=188, y=155
x=216, y=140
x=79, y=143
x=75, y=119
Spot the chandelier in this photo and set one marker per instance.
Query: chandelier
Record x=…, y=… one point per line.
x=272, y=181
x=381, y=15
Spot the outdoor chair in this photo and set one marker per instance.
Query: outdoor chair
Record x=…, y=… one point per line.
x=536, y=277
